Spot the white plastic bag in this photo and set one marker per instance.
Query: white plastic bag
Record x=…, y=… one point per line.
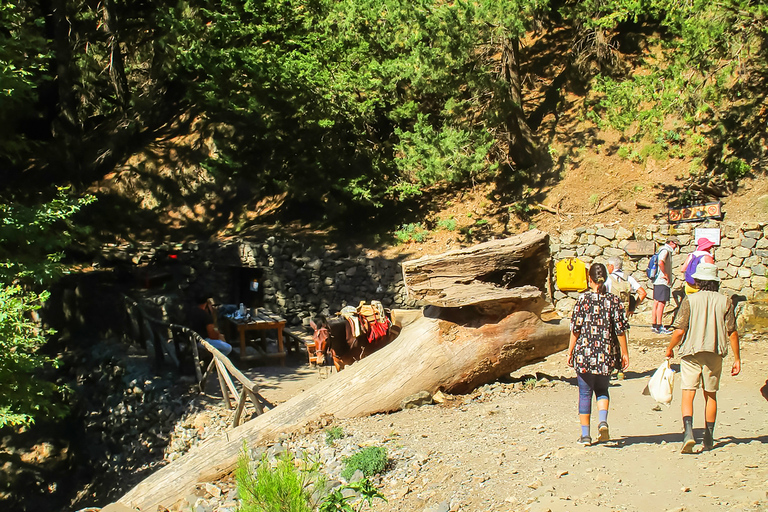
x=661, y=383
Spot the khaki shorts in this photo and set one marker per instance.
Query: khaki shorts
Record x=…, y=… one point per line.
x=702, y=368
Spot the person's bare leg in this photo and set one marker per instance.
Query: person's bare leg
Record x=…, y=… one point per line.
x=710, y=415
x=686, y=408
x=657, y=312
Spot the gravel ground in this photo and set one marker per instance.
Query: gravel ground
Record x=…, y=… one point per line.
x=511, y=445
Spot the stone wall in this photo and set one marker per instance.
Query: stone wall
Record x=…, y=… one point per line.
x=300, y=279
x=742, y=255
x=303, y=278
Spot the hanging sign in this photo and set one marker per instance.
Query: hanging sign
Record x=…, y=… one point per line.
x=696, y=212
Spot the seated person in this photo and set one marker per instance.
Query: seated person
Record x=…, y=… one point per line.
x=201, y=321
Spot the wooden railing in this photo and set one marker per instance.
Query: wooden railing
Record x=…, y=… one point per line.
x=155, y=330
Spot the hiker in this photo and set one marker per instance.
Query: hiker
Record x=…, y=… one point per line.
x=700, y=255
x=706, y=326
x=662, y=285
x=616, y=277
x=201, y=321
x=592, y=351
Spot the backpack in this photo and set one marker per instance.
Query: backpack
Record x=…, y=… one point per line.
x=653, y=266
x=691, y=269
x=621, y=288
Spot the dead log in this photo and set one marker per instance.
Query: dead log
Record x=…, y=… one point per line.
x=497, y=329
x=449, y=350
x=643, y=204
x=493, y=272
x=606, y=207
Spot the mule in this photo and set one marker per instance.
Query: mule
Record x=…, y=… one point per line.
x=335, y=338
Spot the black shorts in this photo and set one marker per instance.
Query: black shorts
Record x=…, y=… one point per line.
x=661, y=292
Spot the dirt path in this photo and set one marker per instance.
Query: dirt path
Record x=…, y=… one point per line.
x=511, y=446
x=503, y=448
x=512, y=451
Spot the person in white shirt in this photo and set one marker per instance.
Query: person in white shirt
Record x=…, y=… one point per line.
x=662, y=286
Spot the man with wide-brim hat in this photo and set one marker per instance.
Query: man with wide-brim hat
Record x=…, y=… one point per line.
x=706, y=326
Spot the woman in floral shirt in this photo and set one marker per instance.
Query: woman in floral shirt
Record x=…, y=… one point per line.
x=598, y=321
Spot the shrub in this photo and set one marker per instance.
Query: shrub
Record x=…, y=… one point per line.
x=332, y=434
x=414, y=232
x=336, y=501
x=447, y=224
x=370, y=461
x=282, y=487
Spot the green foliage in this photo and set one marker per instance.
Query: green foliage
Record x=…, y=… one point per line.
x=413, y=232
x=25, y=395
x=291, y=485
x=332, y=434
x=285, y=486
x=736, y=168
x=709, y=58
x=32, y=237
x=371, y=460
x=23, y=55
x=336, y=501
x=425, y=156
x=30, y=240
x=447, y=224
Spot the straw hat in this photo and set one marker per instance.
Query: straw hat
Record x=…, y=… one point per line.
x=706, y=272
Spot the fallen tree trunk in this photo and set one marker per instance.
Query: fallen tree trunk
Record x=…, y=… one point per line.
x=450, y=350
x=491, y=327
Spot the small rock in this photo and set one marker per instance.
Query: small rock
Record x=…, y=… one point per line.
x=416, y=400
x=535, y=484
x=212, y=490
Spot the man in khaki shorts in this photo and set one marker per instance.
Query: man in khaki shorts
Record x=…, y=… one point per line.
x=706, y=326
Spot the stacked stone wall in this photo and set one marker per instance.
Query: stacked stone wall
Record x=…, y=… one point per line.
x=303, y=279
x=741, y=256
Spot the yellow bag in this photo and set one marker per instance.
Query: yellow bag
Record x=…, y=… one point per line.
x=571, y=275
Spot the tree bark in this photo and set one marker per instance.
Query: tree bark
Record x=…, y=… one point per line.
x=453, y=350
x=487, y=274
x=111, y=27
x=492, y=327
x=522, y=147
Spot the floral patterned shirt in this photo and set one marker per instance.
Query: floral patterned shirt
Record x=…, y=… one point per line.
x=597, y=319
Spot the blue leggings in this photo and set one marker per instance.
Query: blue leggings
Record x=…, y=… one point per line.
x=590, y=383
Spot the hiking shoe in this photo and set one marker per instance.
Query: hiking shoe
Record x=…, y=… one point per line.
x=688, y=443
x=655, y=330
x=603, y=434
x=708, y=442
x=585, y=440
x=664, y=330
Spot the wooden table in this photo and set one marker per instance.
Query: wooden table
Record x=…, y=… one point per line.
x=262, y=319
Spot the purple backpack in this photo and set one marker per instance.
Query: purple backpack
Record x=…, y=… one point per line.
x=691, y=269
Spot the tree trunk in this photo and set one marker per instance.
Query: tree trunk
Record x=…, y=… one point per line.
x=488, y=274
x=111, y=27
x=454, y=350
x=522, y=147
x=492, y=328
